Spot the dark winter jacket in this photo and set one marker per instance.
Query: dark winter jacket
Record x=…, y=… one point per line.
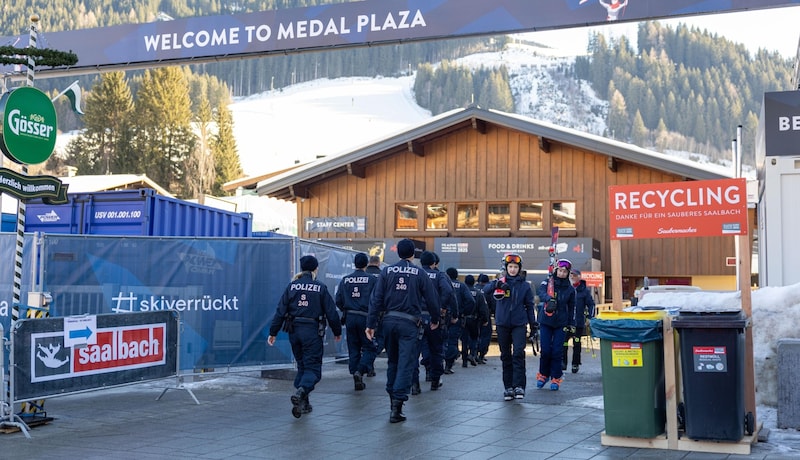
x=447, y=297
x=584, y=306
x=516, y=307
x=565, y=303
x=481, y=309
x=306, y=298
x=466, y=303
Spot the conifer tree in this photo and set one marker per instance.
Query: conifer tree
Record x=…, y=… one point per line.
x=164, y=134
x=226, y=157
x=101, y=148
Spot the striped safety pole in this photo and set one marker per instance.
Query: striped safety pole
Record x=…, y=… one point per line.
x=21, y=205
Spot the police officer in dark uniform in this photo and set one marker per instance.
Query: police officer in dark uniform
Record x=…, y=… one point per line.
x=302, y=311
x=432, y=344
x=352, y=297
x=403, y=293
x=456, y=332
x=374, y=269
x=473, y=321
x=485, y=333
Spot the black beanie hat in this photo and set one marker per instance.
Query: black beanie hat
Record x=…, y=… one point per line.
x=469, y=280
x=405, y=248
x=452, y=273
x=482, y=278
x=427, y=259
x=360, y=260
x=308, y=263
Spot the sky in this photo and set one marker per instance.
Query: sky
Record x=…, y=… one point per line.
x=774, y=29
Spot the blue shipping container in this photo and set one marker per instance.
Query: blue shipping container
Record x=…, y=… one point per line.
x=9, y=223
x=135, y=213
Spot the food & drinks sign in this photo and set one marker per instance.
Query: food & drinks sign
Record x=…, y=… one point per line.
x=678, y=209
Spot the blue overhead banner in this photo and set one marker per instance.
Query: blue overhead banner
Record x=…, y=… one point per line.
x=369, y=22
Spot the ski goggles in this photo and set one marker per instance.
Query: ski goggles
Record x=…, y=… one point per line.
x=512, y=259
x=564, y=263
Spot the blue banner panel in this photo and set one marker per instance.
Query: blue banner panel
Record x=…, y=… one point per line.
x=350, y=24
x=51, y=358
x=225, y=290
x=8, y=246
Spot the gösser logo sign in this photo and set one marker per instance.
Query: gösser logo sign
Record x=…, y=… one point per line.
x=678, y=209
x=28, y=126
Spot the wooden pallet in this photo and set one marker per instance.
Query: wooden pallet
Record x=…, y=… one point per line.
x=31, y=421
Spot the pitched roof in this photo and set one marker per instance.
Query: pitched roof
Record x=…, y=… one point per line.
x=294, y=184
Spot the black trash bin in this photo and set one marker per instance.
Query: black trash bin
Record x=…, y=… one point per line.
x=712, y=367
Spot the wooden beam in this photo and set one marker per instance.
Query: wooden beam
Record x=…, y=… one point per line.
x=612, y=164
x=356, y=170
x=298, y=192
x=417, y=148
x=544, y=144
x=479, y=125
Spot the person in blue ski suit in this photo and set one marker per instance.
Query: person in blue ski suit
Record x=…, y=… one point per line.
x=556, y=318
x=514, y=312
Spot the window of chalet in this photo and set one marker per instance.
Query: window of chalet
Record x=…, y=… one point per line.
x=498, y=216
x=467, y=216
x=406, y=216
x=564, y=214
x=530, y=216
x=436, y=216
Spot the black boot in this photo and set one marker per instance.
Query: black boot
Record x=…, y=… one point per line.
x=448, y=369
x=473, y=361
x=298, y=402
x=358, y=381
x=397, y=412
x=436, y=384
x=415, y=389
x=305, y=406
x=464, y=362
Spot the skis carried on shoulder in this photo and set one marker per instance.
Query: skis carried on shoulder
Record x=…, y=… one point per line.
x=551, y=269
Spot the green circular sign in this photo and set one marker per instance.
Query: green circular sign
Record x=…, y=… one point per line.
x=28, y=132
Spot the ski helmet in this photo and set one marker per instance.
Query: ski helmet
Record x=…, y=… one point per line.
x=564, y=263
x=512, y=259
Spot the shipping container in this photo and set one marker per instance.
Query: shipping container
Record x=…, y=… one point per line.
x=134, y=212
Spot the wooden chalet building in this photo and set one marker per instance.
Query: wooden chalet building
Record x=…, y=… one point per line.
x=475, y=174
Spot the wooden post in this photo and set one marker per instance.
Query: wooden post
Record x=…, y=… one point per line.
x=616, y=275
x=745, y=255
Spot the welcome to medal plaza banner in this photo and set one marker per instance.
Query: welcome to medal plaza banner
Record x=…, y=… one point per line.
x=370, y=22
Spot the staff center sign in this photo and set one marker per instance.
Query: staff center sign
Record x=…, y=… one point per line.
x=678, y=209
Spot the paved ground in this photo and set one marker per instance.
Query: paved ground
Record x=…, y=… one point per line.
x=245, y=416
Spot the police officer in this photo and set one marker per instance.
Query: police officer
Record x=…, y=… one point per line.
x=432, y=343
x=485, y=332
x=466, y=307
x=514, y=313
x=403, y=293
x=473, y=322
x=352, y=297
x=302, y=311
x=374, y=269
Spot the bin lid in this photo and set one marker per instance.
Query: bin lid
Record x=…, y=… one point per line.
x=638, y=314
x=711, y=320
